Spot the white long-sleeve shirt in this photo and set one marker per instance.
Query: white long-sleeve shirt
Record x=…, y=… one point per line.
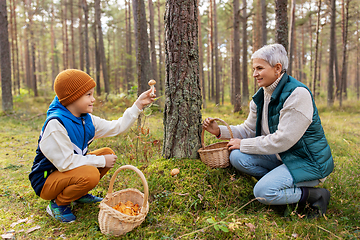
x=295, y=118
x=56, y=145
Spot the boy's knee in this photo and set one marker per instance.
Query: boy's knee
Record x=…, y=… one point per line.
x=91, y=176
x=108, y=150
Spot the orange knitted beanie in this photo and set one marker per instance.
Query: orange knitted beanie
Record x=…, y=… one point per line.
x=71, y=84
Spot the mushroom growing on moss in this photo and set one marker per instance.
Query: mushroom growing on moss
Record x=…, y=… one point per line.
x=151, y=83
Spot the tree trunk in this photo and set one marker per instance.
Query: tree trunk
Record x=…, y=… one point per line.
x=216, y=55
x=291, y=37
x=182, y=113
x=236, y=61
x=86, y=20
x=97, y=61
x=160, y=26
x=16, y=56
x=101, y=46
x=357, y=58
x=73, y=62
x=81, y=37
x=316, y=49
x=281, y=23
x=264, y=22
x=201, y=59
x=212, y=68
x=129, y=64
x=152, y=44
x=144, y=70
x=5, y=60
x=257, y=38
x=344, y=52
x=245, y=85
x=66, y=38
x=330, y=86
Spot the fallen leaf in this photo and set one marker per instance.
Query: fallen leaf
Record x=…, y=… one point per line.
x=8, y=236
x=19, y=221
x=295, y=235
x=33, y=229
x=251, y=226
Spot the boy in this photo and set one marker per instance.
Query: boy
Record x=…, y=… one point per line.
x=62, y=171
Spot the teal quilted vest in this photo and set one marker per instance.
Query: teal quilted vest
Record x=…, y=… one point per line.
x=310, y=158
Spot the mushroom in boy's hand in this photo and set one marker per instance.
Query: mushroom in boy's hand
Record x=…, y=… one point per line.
x=151, y=83
x=174, y=172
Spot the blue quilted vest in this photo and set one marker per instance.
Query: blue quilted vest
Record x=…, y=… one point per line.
x=81, y=132
x=310, y=158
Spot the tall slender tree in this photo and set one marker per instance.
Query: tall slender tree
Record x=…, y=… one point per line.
x=236, y=56
x=201, y=59
x=291, y=37
x=144, y=70
x=152, y=42
x=86, y=33
x=216, y=55
x=101, y=46
x=316, y=48
x=245, y=85
x=281, y=23
x=182, y=113
x=5, y=60
x=160, y=26
x=330, y=85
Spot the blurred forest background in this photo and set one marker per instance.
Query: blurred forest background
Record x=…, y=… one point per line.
x=103, y=38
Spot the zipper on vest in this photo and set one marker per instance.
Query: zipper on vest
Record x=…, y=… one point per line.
x=83, y=146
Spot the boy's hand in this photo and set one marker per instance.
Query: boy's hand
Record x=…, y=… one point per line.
x=211, y=126
x=110, y=160
x=144, y=99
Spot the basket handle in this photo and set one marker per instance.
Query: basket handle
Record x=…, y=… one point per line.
x=215, y=119
x=141, y=175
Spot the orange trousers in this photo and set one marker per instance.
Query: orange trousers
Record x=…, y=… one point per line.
x=66, y=187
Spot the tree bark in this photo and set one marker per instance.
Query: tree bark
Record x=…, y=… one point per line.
x=101, y=46
x=264, y=22
x=330, y=86
x=152, y=44
x=245, y=85
x=281, y=23
x=144, y=71
x=73, y=62
x=160, y=26
x=81, y=37
x=201, y=59
x=344, y=52
x=182, y=113
x=212, y=68
x=236, y=61
x=86, y=20
x=129, y=61
x=291, y=37
x=216, y=55
x=5, y=60
x=257, y=38
x=316, y=49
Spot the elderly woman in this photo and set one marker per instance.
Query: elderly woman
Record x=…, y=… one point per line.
x=282, y=142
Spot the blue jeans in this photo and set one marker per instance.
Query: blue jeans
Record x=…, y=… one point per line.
x=276, y=185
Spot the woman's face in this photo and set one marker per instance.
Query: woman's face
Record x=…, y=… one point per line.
x=265, y=74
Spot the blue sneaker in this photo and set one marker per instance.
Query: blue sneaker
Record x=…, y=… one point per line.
x=88, y=198
x=62, y=213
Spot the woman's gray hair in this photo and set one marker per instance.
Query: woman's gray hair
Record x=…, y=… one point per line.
x=273, y=54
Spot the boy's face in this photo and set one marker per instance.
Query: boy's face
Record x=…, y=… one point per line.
x=83, y=105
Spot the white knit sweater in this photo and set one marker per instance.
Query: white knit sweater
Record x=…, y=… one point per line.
x=295, y=118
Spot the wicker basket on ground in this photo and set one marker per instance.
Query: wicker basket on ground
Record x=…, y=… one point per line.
x=115, y=223
x=215, y=155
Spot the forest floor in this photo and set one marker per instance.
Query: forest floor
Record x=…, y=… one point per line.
x=199, y=203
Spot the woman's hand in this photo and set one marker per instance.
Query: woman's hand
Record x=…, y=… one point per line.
x=234, y=143
x=110, y=160
x=211, y=126
x=144, y=99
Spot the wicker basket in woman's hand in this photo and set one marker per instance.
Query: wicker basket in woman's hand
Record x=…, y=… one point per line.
x=215, y=155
